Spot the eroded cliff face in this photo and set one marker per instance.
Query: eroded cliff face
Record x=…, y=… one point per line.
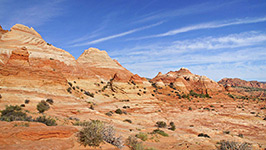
x=32, y=66
x=242, y=83
x=184, y=81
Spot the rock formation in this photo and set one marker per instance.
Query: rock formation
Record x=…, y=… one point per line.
x=184, y=81
x=242, y=83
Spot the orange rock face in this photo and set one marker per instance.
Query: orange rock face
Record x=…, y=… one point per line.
x=243, y=83
x=185, y=81
x=12, y=137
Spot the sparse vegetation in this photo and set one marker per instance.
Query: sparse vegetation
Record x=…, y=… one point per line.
x=42, y=106
x=143, y=136
x=172, y=126
x=119, y=111
x=27, y=101
x=50, y=101
x=226, y=132
x=161, y=132
x=91, y=134
x=110, y=113
x=69, y=90
x=230, y=145
x=14, y=113
x=204, y=135
x=194, y=94
x=160, y=124
x=89, y=94
x=231, y=96
x=95, y=132
x=22, y=124
x=128, y=120
x=46, y=120
x=134, y=144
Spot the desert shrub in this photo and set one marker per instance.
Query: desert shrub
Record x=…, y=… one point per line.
x=118, y=111
x=189, y=108
x=69, y=83
x=22, y=105
x=160, y=124
x=134, y=144
x=142, y=136
x=50, y=101
x=27, y=101
x=226, y=132
x=161, y=132
x=42, y=106
x=89, y=94
x=172, y=126
x=81, y=123
x=95, y=132
x=230, y=95
x=109, y=137
x=14, y=113
x=230, y=145
x=46, y=120
x=91, y=134
x=110, y=113
x=203, y=135
x=92, y=107
x=240, y=135
x=0, y=96
x=69, y=90
x=128, y=120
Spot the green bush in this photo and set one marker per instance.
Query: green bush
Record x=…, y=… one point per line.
x=89, y=94
x=91, y=134
x=14, y=113
x=160, y=124
x=42, y=106
x=118, y=111
x=48, y=121
x=27, y=101
x=142, y=136
x=230, y=145
x=134, y=144
x=128, y=120
x=172, y=126
x=161, y=132
x=50, y=101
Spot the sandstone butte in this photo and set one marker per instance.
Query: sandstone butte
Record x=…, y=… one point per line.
x=32, y=69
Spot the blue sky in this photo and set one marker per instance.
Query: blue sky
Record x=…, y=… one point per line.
x=213, y=38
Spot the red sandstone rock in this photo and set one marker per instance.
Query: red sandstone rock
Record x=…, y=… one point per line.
x=243, y=83
x=185, y=81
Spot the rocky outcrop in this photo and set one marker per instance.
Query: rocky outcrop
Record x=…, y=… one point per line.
x=242, y=83
x=97, y=62
x=184, y=81
x=15, y=135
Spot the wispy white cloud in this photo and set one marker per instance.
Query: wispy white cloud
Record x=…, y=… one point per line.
x=191, y=9
x=33, y=15
x=210, y=25
x=231, y=49
x=117, y=35
x=229, y=41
